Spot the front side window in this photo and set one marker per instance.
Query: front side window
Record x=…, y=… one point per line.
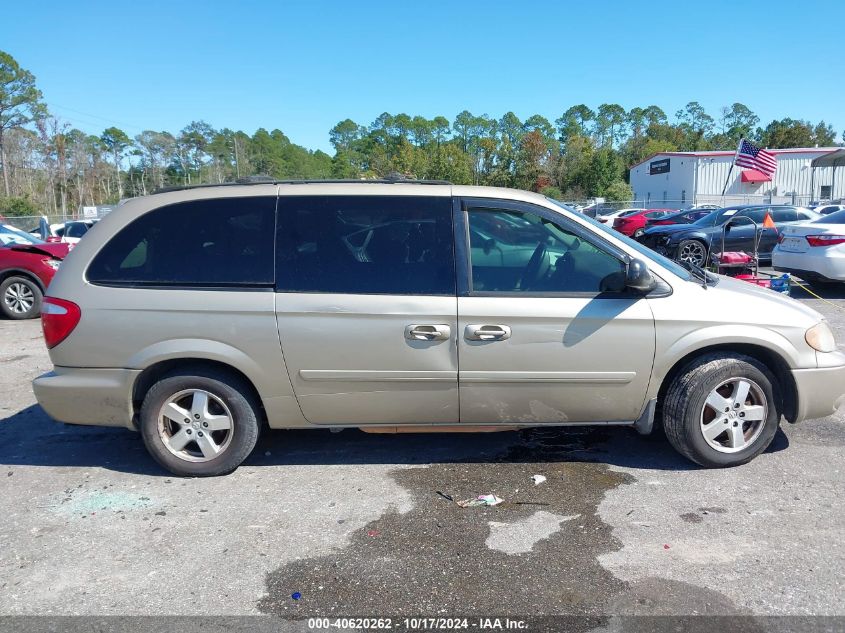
x=217, y=242
x=399, y=245
x=785, y=215
x=514, y=251
x=76, y=229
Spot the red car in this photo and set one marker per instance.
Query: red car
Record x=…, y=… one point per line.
x=27, y=265
x=633, y=225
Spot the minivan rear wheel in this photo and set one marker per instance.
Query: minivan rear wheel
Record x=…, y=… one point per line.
x=721, y=410
x=199, y=424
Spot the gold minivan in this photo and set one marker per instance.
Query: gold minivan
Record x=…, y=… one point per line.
x=198, y=315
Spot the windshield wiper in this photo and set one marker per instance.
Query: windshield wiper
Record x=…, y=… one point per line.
x=698, y=271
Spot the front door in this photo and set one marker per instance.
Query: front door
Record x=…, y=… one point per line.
x=366, y=307
x=547, y=331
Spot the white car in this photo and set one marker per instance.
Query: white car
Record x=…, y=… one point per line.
x=814, y=251
x=69, y=232
x=610, y=217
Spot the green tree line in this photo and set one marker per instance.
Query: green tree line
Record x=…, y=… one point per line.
x=50, y=167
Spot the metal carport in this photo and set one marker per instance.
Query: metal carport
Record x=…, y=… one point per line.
x=832, y=159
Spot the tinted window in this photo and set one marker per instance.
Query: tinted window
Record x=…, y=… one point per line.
x=365, y=245
x=76, y=229
x=745, y=217
x=784, y=215
x=541, y=257
x=222, y=242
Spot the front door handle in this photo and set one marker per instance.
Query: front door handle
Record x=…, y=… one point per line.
x=484, y=332
x=425, y=332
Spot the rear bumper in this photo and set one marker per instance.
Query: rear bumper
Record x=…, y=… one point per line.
x=98, y=397
x=813, y=264
x=820, y=391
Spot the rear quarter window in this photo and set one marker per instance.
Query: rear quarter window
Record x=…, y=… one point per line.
x=217, y=242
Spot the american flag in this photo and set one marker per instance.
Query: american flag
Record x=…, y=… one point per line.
x=751, y=156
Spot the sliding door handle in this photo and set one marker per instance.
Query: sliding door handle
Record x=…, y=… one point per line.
x=485, y=332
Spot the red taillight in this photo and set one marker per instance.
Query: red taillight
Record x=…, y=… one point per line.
x=58, y=318
x=780, y=238
x=825, y=240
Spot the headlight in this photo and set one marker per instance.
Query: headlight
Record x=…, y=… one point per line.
x=53, y=263
x=820, y=338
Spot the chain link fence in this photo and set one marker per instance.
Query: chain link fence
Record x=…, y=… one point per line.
x=30, y=222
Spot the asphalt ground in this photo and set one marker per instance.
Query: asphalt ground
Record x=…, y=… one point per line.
x=359, y=524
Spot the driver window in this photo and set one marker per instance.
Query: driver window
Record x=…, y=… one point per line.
x=513, y=251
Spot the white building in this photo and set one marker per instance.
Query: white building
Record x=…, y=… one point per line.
x=680, y=179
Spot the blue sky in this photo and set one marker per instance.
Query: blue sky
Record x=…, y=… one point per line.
x=303, y=66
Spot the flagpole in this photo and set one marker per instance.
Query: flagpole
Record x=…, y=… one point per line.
x=731, y=170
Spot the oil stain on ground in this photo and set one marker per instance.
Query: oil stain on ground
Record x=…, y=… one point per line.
x=435, y=559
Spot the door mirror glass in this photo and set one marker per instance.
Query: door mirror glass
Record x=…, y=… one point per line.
x=639, y=277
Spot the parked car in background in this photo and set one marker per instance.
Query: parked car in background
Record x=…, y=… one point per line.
x=599, y=208
x=69, y=232
x=814, y=251
x=703, y=207
x=610, y=216
x=692, y=242
x=368, y=305
x=826, y=209
x=27, y=265
x=633, y=224
x=680, y=217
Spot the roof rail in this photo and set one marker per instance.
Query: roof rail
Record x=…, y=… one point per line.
x=390, y=179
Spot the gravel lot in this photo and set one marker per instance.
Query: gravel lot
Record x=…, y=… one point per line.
x=356, y=523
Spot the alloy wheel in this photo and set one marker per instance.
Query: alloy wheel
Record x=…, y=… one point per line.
x=195, y=425
x=734, y=414
x=19, y=298
x=692, y=251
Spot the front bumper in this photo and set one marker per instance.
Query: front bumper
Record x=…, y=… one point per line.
x=98, y=397
x=821, y=391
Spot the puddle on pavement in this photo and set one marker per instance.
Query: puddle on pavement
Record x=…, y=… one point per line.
x=440, y=559
x=435, y=559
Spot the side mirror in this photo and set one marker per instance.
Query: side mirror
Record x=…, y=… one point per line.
x=639, y=277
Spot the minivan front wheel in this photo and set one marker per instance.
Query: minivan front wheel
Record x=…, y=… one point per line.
x=721, y=410
x=202, y=423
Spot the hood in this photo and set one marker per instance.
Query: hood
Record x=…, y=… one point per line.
x=58, y=251
x=755, y=292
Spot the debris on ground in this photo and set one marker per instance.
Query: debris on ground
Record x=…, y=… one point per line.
x=480, y=500
x=296, y=595
x=445, y=496
x=538, y=479
x=373, y=533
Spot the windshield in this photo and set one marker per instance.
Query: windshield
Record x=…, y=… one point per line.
x=10, y=235
x=646, y=252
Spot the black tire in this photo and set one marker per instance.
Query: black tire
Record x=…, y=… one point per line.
x=685, y=401
x=8, y=304
x=232, y=391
